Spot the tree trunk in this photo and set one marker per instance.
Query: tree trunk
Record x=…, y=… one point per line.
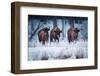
x=54, y=22
x=63, y=28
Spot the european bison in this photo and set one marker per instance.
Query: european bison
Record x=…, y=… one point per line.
x=55, y=34
x=73, y=34
x=43, y=35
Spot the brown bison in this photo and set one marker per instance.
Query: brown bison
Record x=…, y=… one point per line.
x=55, y=34
x=73, y=34
x=43, y=35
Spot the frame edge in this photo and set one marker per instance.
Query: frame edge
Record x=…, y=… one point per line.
x=14, y=59
x=12, y=37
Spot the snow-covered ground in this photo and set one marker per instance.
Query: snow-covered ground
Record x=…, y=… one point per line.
x=61, y=50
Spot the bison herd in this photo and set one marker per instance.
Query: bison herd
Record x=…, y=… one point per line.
x=43, y=34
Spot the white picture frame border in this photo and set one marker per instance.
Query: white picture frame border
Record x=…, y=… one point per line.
x=25, y=64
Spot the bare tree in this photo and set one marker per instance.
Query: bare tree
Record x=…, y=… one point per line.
x=40, y=24
x=63, y=24
x=54, y=22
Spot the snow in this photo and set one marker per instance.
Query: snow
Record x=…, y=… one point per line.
x=58, y=50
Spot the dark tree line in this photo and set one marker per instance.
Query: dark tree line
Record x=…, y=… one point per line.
x=35, y=27
x=37, y=22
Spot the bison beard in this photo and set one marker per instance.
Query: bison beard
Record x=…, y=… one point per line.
x=43, y=35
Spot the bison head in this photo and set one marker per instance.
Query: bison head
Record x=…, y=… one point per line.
x=77, y=30
x=57, y=31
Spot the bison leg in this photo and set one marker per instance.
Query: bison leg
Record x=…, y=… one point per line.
x=51, y=39
x=39, y=37
x=39, y=40
x=43, y=42
x=57, y=38
x=69, y=36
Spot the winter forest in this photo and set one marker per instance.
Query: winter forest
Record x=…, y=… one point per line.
x=57, y=37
